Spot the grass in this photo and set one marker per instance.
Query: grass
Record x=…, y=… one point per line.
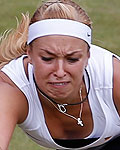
x=20, y=141
x=105, y=15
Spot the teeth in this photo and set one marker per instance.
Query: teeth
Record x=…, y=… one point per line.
x=59, y=84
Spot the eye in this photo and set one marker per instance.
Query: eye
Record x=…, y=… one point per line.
x=47, y=58
x=72, y=60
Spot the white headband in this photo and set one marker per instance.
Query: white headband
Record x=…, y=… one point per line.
x=59, y=27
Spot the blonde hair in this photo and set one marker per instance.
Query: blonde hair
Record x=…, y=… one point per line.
x=61, y=9
x=13, y=42
x=14, y=45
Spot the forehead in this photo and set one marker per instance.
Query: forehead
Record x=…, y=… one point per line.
x=58, y=43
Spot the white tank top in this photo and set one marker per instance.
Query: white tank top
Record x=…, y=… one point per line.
x=105, y=117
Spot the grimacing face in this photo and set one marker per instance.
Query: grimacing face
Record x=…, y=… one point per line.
x=58, y=63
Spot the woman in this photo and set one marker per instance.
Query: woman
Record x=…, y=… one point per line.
x=58, y=87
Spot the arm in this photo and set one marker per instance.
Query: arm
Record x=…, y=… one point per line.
x=12, y=111
x=116, y=83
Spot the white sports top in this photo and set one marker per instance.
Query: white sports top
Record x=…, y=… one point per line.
x=105, y=117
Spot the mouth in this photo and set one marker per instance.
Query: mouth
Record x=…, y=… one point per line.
x=59, y=83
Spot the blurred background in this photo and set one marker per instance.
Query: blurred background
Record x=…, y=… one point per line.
x=105, y=15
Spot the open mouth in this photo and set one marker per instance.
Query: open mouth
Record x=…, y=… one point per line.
x=58, y=83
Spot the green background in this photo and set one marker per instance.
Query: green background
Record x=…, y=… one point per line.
x=105, y=15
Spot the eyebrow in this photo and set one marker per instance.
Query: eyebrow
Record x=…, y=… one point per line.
x=74, y=52
x=47, y=51
x=68, y=54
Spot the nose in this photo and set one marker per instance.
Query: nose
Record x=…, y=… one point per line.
x=59, y=69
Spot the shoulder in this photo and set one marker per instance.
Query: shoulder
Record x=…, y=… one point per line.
x=100, y=66
x=13, y=110
x=15, y=67
x=12, y=99
x=99, y=52
x=101, y=60
x=99, y=55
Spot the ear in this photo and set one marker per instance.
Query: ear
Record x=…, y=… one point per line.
x=29, y=54
x=88, y=56
x=88, y=53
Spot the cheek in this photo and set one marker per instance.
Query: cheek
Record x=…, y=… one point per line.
x=79, y=73
x=41, y=71
x=76, y=73
x=79, y=68
x=41, y=76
